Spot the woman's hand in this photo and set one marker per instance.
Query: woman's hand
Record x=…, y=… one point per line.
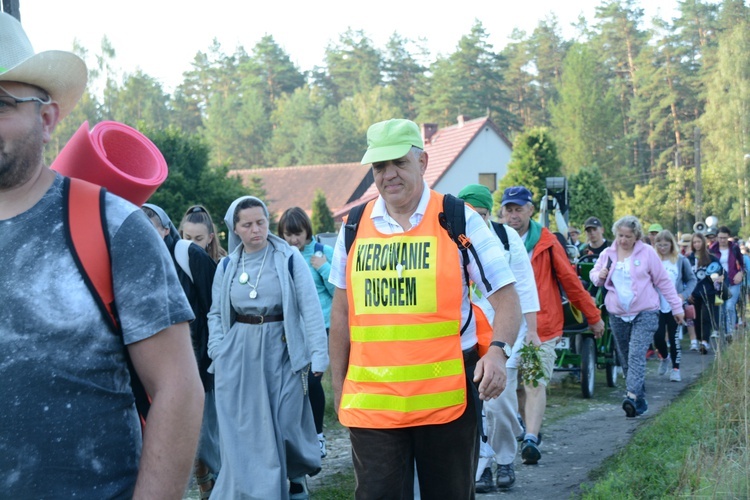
x=603, y=273
x=316, y=261
x=691, y=300
x=737, y=278
x=680, y=318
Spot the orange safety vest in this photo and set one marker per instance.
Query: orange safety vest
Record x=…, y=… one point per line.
x=404, y=290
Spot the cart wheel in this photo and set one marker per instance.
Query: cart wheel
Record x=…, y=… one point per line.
x=611, y=367
x=588, y=366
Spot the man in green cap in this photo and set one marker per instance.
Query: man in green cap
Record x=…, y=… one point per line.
x=653, y=230
x=406, y=374
x=500, y=414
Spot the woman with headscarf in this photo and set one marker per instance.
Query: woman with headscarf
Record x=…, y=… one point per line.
x=266, y=332
x=196, y=274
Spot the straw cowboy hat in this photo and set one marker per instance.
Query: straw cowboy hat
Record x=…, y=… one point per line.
x=61, y=74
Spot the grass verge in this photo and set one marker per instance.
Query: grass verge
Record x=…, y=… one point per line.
x=696, y=448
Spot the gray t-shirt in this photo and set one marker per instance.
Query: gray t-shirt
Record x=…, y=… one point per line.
x=68, y=424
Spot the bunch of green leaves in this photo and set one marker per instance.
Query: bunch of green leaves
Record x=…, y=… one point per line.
x=531, y=365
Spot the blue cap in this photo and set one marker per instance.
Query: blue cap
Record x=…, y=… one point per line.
x=518, y=195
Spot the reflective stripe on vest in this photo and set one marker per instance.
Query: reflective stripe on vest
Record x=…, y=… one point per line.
x=404, y=291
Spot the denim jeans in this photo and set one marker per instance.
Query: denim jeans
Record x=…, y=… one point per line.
x=731, y=307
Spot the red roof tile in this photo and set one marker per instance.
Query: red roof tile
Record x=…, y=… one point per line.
x=295, y=186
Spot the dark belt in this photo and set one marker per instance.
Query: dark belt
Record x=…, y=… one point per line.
x=259, y=320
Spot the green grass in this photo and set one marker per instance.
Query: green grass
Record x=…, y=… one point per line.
x=696, y=448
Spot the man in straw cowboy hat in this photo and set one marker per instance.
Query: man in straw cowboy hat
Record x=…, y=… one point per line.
x=70, y=427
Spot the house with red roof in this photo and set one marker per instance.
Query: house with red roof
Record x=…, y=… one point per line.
x=469, y=152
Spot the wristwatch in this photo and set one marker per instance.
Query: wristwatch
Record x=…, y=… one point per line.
x=502, y=345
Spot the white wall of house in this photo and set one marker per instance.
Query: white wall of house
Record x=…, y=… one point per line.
x=487, y=153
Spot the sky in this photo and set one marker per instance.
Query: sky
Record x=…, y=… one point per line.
x=161, y=37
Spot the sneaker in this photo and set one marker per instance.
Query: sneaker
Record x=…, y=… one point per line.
x=641, y=406
x=664, y=365
x=484, y=485
x=693, y=345
x=714, y=334
x=704, y=347
x=629, y=406
x=530, y=454
x=506, y=476
x=728, y=338
x=298, y=489
x=675, y=376
x=322, y=442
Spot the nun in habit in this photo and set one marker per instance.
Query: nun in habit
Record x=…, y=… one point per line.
x=266, y=330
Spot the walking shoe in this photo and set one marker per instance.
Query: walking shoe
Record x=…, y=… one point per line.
x=629, y=406
x=322, y=442
x=484, y=485
x=298, y=489
x=704, y=347
x=506, y=476
x=728, y=338
x=664, y=365
x=714, y=334
x=530, y=454
x=641, y=406
x=693, y=345
x=675, y=376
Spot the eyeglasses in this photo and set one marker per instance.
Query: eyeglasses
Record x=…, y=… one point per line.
x=9, y=103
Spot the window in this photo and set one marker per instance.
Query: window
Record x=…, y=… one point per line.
x=489, y=180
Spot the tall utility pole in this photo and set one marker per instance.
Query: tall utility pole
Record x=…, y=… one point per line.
x=698, y=179
x=11, y=7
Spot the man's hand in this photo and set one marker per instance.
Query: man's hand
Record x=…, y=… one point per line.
x=490, y=373
x=532, y=337
x=598, y=328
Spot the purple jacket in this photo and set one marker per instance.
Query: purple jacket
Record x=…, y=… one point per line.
x=647, y=274
x=735, y=263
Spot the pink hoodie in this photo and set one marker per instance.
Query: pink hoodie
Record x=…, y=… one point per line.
x=646, y=272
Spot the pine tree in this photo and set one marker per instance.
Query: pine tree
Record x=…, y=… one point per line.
x=534, y=158
x=588, y=196
x=322, y=218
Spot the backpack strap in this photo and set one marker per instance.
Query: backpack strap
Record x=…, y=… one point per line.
x=352, y=224
x=83, y=203
x=502, y=233
x=85, y=225
x=182, y=257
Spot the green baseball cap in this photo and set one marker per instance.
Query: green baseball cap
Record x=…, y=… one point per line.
x=477, y=195
x=655, y=228
x=391, y=139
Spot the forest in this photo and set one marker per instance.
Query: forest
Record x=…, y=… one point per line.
x=654, y=114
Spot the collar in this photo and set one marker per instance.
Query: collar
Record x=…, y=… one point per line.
x=379, y=210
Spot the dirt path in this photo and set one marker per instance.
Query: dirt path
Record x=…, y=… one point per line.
x=572, y=446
